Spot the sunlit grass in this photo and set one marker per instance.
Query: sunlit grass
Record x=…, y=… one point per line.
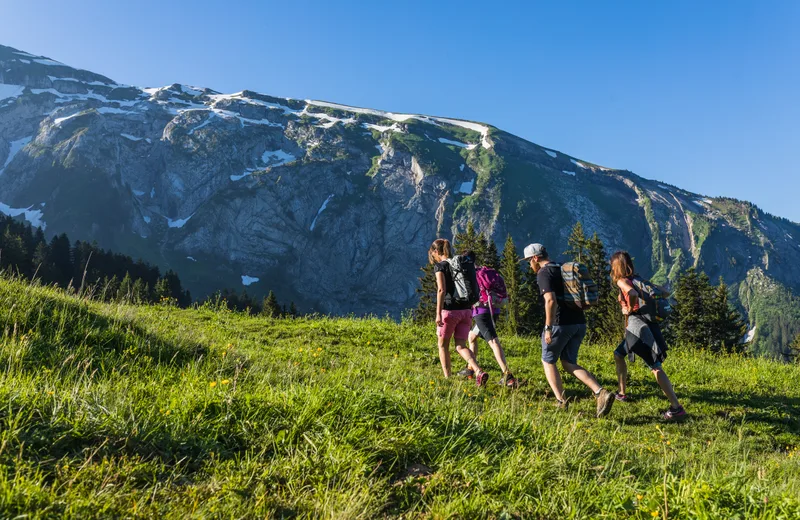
x=120, y=411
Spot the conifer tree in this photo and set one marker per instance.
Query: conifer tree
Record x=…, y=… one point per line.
x=726, y=323
x=125, y=293
x=793, y=351
x=470, y=240
x=687, y=323
x=604, y=320
x=292, y=310
x=531, y=310
x=511, y=271
x=426, y=307
x=270, y=306
x=492, y=257
x=577, y=244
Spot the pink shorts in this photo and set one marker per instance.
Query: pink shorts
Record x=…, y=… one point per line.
x=457, y=324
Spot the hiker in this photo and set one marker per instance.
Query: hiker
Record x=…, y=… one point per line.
x=453, y=307
x=643, y=335
x=486, y=313
x=565, y=328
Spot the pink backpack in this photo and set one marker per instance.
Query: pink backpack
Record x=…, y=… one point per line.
x=492, y=287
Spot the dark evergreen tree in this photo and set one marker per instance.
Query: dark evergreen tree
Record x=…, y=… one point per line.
x=470, y=240
x=688, y=325
x=270, y=306
x=531, y=308
x=12, y=252
x=292, y=310
x=605, y=322
x=726, y=322
x=511, y=271
x=426, y=306
x=578, y=244
x=492, y=258
x=125, y=293
x=62, y=260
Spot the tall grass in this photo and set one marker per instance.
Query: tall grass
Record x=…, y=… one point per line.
x=115, y=411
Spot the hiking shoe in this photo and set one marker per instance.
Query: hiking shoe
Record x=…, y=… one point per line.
x=674, y=414
x=467, y=372
x=623, y=398
x=605, y=400
x=508, y=380
x=481, y=378
x=561, y=405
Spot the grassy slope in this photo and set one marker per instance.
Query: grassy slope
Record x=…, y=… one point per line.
x=120, y=411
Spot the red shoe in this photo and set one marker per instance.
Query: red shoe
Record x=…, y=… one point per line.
x=481, y=378
x=674, y=414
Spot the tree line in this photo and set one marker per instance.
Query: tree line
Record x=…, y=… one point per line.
x=83, y=267
x=703, y=316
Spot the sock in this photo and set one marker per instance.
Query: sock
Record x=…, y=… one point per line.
x=598, y=392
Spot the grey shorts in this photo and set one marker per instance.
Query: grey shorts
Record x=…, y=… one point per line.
x=564, y=345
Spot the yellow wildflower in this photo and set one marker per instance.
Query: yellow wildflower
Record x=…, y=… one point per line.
x=212, y=384
x=224, y=382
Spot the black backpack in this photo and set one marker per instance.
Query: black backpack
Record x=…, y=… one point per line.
x=462, y=268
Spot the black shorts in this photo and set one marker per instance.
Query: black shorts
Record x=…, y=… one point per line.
x=484, y=326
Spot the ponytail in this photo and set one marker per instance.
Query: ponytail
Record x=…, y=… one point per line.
x=441, y=247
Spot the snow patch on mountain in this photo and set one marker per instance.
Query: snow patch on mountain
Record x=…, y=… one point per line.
x=34, y=216
x=551, y=153
x=179, y=223
x=476, y=127
x=568, y=173
x=321, y=209
x=10, y=91
x=201, y=125
x=277, y=158
x=454, y=143
x=579, y=164
x=132, y=138
x=248, y=280
x=16, y=146
x=466, y=187
x=394, y=128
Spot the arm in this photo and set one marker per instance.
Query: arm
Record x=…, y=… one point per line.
x=440, y=292
x=549, y=314
x=633, y=296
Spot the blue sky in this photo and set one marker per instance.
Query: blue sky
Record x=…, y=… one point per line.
x=703, y=95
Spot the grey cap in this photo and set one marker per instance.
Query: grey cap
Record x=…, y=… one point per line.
x=532, y=250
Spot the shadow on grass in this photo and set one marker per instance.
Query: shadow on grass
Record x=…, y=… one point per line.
x=58, y=330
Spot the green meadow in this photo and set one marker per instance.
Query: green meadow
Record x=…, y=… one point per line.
x=123, y=411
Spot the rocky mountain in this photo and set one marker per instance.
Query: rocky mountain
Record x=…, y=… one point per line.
x=334, y=206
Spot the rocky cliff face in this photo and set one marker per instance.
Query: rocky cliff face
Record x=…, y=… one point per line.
x=331, y=206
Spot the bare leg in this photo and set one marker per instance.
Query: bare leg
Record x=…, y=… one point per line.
x=622, y=372
x=554, y=378
x=444, y=355
x=583, y=375
x=464, y=352
x=499, y=355
x=473, y=344
x=666, y=386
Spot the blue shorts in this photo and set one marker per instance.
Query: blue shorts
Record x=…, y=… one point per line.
x=564, y=345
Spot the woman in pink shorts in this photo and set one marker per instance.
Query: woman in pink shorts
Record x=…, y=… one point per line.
x=452, y=319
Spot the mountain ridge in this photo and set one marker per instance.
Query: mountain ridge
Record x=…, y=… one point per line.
x=332, y=205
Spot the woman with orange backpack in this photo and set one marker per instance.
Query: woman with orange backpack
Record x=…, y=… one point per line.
x=643, y=335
